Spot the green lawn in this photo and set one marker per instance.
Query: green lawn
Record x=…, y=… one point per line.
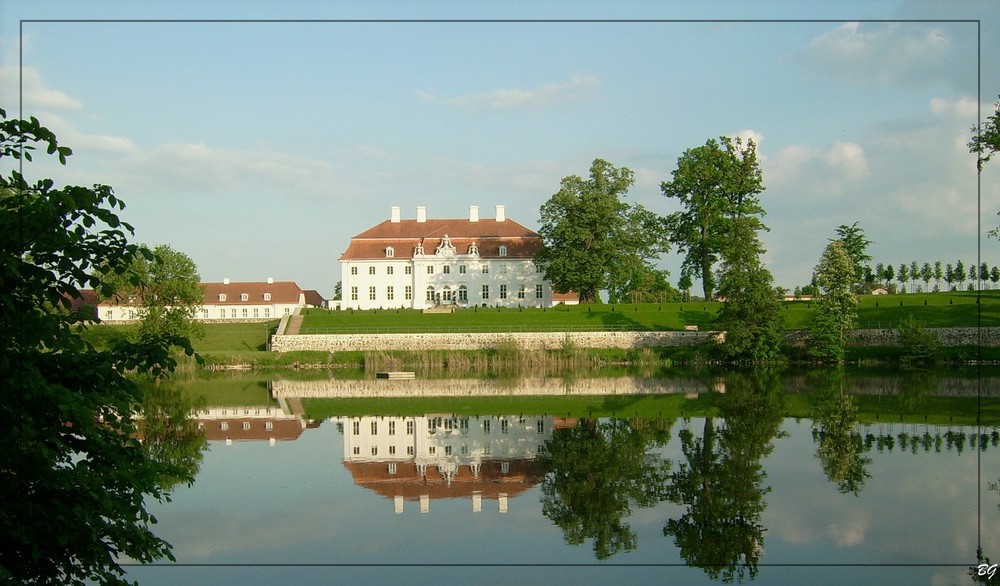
x=935, y=309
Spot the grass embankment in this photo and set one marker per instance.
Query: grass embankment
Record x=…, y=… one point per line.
x=244, y=344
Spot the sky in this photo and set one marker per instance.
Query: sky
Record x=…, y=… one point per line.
x=260, y=148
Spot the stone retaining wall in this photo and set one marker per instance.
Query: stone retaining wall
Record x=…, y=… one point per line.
x=553, y=340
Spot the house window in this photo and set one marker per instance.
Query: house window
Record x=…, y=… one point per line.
x=374, y=450
x=486, y=292
x=430, y=269
x=446, y=269
x=408, y=292
x=392, y=452
x=371, y=293
x=486, y=269
x=504, y=467
x=447, y=450
x=461, y=269
x=409, y=450
x=356, y=428
x=357, y=450
x=503, y=426
x=390, y=252
x=447, y=294
x=503, y=250
x=222, y=313
x=204, y=314
x=538, y=291
x=224, y=425
x=503, y=291
x=432, y=450
x=354, y=293
x=430, y=293
x=267, y=312
x=244, y=312
x=503, y=269
x=390, y=295
x=392, y=465
x=371, y=270
x=268, y=425
x=392, y=428
x=246, y=425
x=408, y=270
x=222, y=296
x=409, y=428
x=244, y=296
x=486, y=426
x=374, y=427
x=354, y=270
x=267, y=296
x=388, y=270
x=520, y=292
x=540, y=426
x=463, y=293
x=232, y=312
x=256, y=312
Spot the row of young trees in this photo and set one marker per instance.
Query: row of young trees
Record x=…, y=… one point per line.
x=954, y=275
x=594, y=241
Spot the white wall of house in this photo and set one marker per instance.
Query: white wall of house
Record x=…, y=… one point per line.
x=462, y=279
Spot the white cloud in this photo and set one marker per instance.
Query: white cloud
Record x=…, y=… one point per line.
x=33, y=93
x=579, y=86
x=906, y=54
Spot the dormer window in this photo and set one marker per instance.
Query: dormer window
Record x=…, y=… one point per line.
x=222, y=296
x=390, y=252
x=244, y=297
x=419, y=249
x=503, y=250
x=267, y=296
x=473, y=248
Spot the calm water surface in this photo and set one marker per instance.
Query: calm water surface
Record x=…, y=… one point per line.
x=748, y=494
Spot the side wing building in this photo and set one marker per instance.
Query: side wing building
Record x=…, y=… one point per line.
x=425, y=262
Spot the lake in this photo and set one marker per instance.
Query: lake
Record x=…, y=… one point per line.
x=775, y=479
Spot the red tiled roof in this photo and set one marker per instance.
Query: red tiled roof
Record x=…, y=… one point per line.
x=281, y=429
x=404, y=236
x=408, y=483
x=281, y=292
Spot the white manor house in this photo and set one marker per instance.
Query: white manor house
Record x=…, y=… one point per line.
x=425, y=262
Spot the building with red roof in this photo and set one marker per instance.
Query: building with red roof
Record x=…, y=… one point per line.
x=424, y=262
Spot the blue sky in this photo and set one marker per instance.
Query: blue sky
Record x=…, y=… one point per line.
x=260, y=148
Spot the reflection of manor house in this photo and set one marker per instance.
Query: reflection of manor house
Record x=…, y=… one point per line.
x=249, y=423
x=441, y=456
x=422, y=262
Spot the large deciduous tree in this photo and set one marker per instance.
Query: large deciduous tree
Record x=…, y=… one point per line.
x=715, y=183
x=591, y=239
x=164, y=285
x=984, y=144
x=856, y=244
x=74, y=481
x=836, y=312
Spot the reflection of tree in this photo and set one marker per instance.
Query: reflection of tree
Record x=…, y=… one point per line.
x=721, y=481
x=169, y=434
x=915, y=387
x=596, y=472
x=841, y=446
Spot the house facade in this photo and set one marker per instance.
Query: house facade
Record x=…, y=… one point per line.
x=424, y=262
x=246, y=301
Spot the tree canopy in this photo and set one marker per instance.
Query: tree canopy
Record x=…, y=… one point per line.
x=75, y=480
x=591, y=239
x=837, y=312
x=164, y=285
x=715, y=183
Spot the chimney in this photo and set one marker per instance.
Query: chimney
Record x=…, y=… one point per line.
x=225, y=281
x=270, y=280
x=473, y=213
x=394, y=214
x=421, y=214
x=501, y=215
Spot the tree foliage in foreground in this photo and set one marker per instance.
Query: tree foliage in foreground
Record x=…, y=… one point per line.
x=984, y=144
x=73, y=478
x=591, y=239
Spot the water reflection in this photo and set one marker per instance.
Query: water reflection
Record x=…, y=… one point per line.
x=706, y=477
x=439, y=456
x=169, y=433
